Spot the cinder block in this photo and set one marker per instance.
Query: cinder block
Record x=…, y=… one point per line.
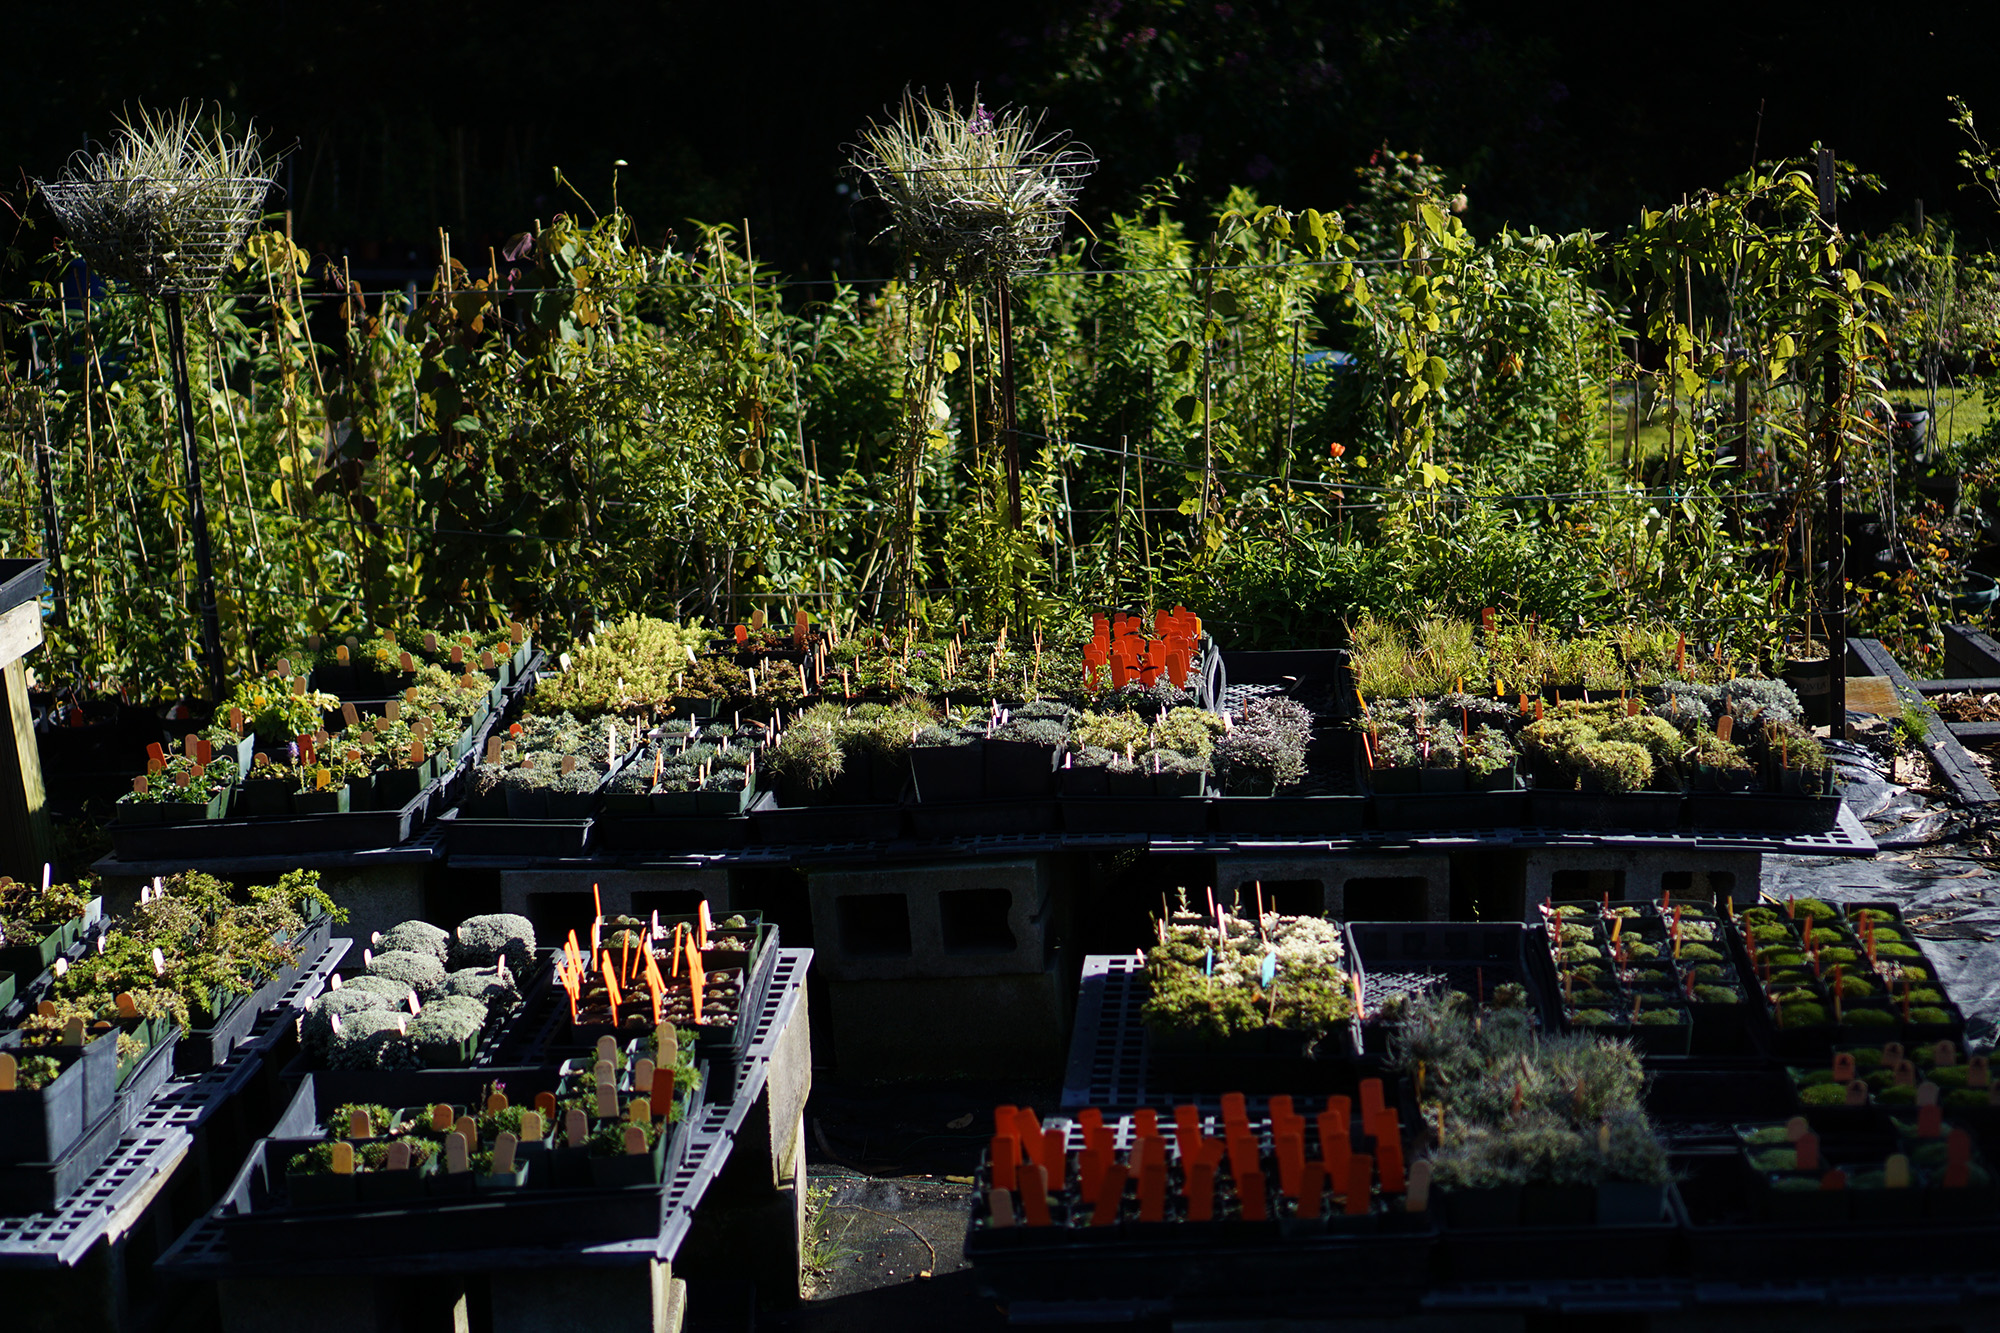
x=559, y=901
x=644, y=1298
x=989, y=1027
x=1638, y=874
x=1385, y=887
x=773, y=1132
x=950, y=919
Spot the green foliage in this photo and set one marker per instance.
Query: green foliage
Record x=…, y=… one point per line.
x=1209, y=984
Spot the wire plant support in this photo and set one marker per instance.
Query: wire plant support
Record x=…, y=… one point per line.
x=974, y=197
x=164, y=210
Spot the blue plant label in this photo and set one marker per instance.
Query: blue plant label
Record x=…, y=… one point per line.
x=1208, y=962
x=1269, y=970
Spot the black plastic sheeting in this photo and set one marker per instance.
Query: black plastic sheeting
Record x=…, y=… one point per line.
x=1940, y=864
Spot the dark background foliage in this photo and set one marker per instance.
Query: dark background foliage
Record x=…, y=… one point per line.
x=409, y=114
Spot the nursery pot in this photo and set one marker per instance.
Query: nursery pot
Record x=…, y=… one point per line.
x=1483, y=1210
x=331, y=801
x=1019, y=768
x=1441, y=779
x=1812, y=680
x=1558, y=1205
x=1081, y=781
x=1620, y=1203
x=321, y=1190
x=40, y=1126
x=949, y=772
x=526, y=803
x=1396, y=781
x=1178, y=784
x=1127, y=783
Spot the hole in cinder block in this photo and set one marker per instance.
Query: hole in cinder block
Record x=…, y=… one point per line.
x=1565, y=885
x=875, y=925
x=555, y=915
x=975, y=920
x=1702, y=885
x=1386, y=898
x=669, y=902
x=1287, y=897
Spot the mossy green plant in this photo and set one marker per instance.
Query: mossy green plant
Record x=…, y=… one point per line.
x=1824, y=1094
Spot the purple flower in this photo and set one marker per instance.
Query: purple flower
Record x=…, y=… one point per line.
x=981, y=121
x=1224, y=12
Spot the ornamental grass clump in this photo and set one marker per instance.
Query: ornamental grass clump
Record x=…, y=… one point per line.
x=165, y=206
x=971, y=194
x=1215, y=980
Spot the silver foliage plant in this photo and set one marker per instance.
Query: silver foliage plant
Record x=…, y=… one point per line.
x=165, y=206
x=972, y=194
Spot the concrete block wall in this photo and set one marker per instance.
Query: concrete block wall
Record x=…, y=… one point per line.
x=1381, y=887
x=949, y=919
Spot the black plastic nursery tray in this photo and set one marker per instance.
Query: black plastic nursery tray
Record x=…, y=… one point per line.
x=982, y=818
x=1288, y=815
x=1415, y=957
x=201, y=1047
x=1169, y=816
x=37, y=1187
x=207, y=839
x=527, y=838
x=1762, y=811
x=20, y=581
x=260, y=1226
x=359, y=830
x=658, y=833
x=816, y=825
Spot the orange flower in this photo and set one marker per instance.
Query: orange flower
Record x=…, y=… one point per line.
x=1336, y=449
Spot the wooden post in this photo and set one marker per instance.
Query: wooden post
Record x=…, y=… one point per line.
x=26, y=838
x=1834, y=608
